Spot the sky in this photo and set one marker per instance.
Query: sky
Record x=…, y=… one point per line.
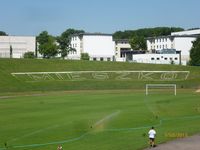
x=30, y=17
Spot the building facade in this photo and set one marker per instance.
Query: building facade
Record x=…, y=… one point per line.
x=100, y=47
x=16, y=46
x=157, y=58
x=180, y=41
x=121, y=46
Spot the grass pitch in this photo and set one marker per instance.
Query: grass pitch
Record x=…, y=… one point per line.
x=95, y=120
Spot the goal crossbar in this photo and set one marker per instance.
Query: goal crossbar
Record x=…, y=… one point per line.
x=160, y=85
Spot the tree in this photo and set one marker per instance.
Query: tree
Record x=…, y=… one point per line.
x=47, y=45
x=2, y=33
x=138, y=43
x=64, y=41
x=195, y=53
x=29, y=55
x=85, y=56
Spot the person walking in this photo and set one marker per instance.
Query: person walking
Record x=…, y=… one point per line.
x=59, y=147
x=152, y=135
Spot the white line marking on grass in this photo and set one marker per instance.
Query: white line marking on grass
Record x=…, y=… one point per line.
x=32, y=133
x=22, y=73
x=102, y=75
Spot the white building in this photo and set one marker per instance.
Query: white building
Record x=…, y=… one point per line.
x=157, y=58
x=181, y=41
x=99, y=46
x=188, y=32
x=121, y=46
x=18, y=44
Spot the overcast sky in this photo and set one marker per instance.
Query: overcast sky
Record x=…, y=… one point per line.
x=30, y=17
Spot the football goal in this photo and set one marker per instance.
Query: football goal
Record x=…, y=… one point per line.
x=160, y=87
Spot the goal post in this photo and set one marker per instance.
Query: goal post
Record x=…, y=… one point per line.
x=161, y=86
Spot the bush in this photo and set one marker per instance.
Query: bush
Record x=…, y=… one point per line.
x=29, y=55
x=85, y=56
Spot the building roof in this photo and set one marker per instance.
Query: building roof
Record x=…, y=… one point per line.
x=6, y=36
x=187, y=32
x=121, y=40
x=173, y=36
x=92, y=34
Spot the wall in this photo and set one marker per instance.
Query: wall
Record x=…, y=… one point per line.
x=160, y=43
x=98, y=45
x=157, y=58
x=20, y=45
x=75, y=43
x=184, y=44
x=121, y=45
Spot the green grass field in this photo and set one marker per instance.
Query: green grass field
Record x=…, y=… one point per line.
x=96, y=120
x=10, y=84
x=93, y=114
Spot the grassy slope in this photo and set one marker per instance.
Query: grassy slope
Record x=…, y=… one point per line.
x=42, y=119
x=10, y=84
x=61, y=117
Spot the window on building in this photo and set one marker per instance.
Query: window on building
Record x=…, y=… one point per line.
x=166, y=58
x=170, y=58
x=152, y=58
x=94, y=59
x=158, y=58
x=101, y=58
x=175, y=58
x=166, y=46
x=108, y=59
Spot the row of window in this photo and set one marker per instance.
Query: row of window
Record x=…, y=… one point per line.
x=123, y=42
x=164, y=58
x=73, y=52
x=102, y=59
x=161, y=47
x=159, y=40
x=74, y=45
x=74, y=38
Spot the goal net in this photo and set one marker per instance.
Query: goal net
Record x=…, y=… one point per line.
x=165, y=88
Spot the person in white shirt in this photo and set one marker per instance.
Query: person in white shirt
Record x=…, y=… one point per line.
x=152, y=135
x=59, y=147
